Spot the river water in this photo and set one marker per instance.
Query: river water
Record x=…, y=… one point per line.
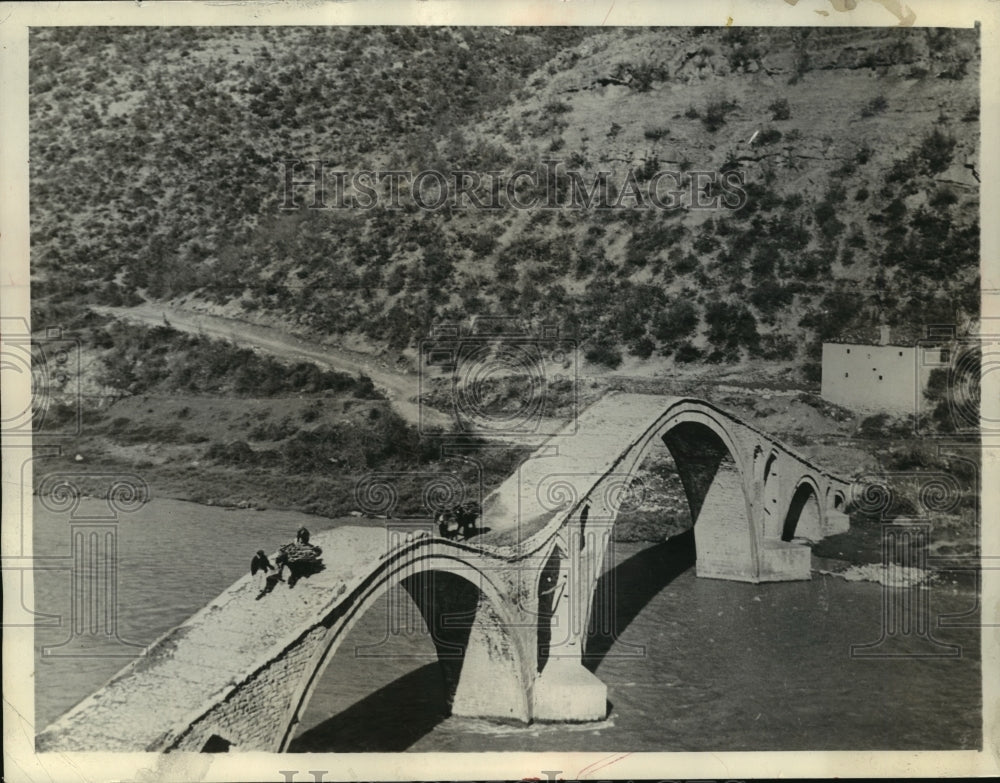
x=690, y=664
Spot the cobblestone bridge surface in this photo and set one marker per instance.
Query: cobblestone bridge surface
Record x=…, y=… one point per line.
x=239, y=673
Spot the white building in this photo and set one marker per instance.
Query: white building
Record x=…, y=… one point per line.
x=882, y=378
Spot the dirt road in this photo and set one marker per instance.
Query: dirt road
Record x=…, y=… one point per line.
x=401, y=388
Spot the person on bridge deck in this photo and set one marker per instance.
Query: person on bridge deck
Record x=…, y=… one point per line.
x=302, y=536
x=259, y=567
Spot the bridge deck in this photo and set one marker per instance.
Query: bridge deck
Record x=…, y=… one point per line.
x=198, y=661
x=584, y=450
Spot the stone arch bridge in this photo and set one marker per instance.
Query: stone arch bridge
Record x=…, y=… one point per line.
x=507, y=611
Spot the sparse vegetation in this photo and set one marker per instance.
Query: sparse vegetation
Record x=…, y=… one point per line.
x=875, y=106
x=716, y=112
x=780, y=109
x=791, y=257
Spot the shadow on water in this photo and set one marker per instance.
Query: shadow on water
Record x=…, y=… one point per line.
x=623, y=591
x=375, y=724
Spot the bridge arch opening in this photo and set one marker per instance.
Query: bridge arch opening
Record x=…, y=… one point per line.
x=406, y=646
x=550, y=586
x=715, y=534
x=838, y=502
x=770, y=494
x=715, y=487
x=804, y=517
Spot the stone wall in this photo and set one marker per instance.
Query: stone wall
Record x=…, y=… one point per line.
x=255, y=715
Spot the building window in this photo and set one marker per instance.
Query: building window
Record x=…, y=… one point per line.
x=846, y=374
x=880, y=377
x=848, y=350
x=900, y=353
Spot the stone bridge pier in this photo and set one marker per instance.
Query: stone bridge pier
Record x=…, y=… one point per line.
x=508, y=612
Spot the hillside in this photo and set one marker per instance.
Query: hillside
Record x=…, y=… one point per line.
x=156, y=174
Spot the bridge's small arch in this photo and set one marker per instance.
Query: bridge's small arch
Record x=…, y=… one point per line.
x=461, y=607
x=804, y=518
x=839, y=501
x=770, y=495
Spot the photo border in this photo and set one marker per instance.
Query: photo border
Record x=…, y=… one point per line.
x=21, y=761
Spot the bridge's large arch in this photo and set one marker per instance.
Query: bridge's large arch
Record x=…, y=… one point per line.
x=469, y=625
x=714, y=482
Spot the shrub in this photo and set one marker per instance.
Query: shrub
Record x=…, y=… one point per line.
x=715, y=114
x=675, y=321
x=556, y=107
x=235, y=453
x=645, y=73
x=604, y=353
x=876, y=105
x=936, y=150
x=943, y=197
x=874, y=427
x=780, y=110
x=687, y=352
x=769, y=136
x=731, y=325
x=642, y=347
x=778, y=347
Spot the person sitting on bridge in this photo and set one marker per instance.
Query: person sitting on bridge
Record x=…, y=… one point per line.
x=259, y=567
x=302, y=536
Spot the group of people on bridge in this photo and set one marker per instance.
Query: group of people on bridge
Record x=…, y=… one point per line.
x=299, y=556
x=459, y=522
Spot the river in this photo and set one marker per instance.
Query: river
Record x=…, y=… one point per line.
x=691, y=665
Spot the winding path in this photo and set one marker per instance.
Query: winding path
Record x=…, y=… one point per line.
x=401, y=388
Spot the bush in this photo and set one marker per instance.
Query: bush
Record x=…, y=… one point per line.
x=876, y=105
x=730, y=326
x=687, y=352
x=675, y=321
x=943, y=197
x=642, y=347
x=769, y=136
x=936, y=150
x=780, y=110
x=715, y=114
x=556, y=107
x=235, y=453
x=604, y=353
x=645, y=73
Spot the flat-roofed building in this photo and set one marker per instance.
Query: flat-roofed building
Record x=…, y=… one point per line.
x=882, y=378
